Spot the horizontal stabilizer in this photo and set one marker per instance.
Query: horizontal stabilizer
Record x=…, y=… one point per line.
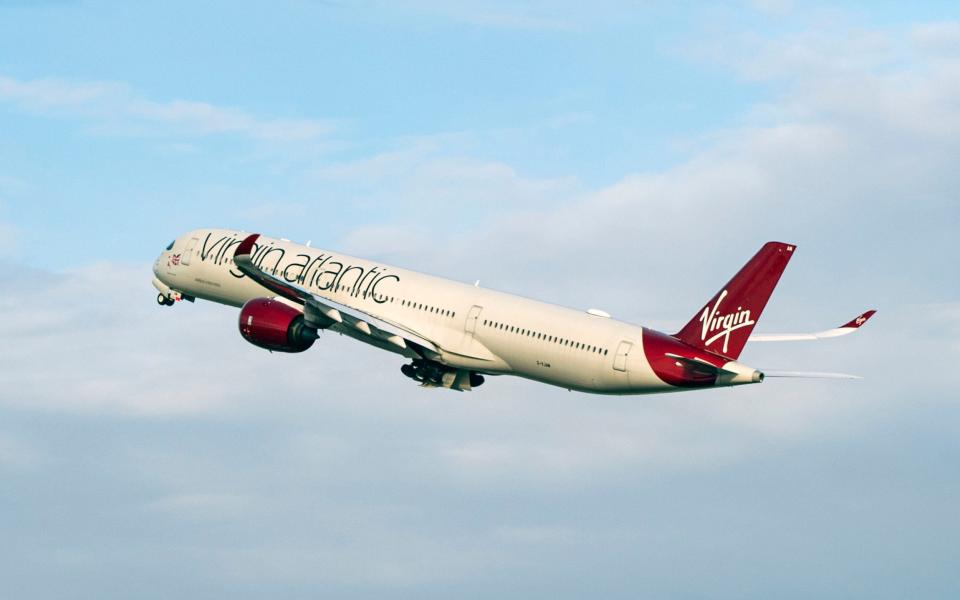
x=845, y=329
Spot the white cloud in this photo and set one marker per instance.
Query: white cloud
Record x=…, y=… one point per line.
x=938, y=38
x=858, y=145
x=85, y=342
x=116, y=108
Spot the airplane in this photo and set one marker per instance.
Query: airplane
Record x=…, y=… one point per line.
x=455, y=334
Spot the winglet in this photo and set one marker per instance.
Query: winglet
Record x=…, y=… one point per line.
x=859, y=321
x=242, y=257
x=246, y=246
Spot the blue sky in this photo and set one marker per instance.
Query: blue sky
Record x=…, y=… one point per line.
x=621, y=155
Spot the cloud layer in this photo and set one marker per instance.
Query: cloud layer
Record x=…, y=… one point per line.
x=112, y=107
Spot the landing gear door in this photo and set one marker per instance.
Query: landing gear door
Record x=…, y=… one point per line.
x=623, y=352
x=472, y=317
x=188, y=252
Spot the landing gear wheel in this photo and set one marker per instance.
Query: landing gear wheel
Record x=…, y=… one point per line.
x=163, y=300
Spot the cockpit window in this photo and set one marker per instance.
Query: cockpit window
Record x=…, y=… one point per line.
x=170, y=247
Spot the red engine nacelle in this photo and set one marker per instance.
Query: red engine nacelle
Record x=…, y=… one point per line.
x=276, y=326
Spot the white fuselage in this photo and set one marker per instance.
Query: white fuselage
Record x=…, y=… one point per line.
x=474, y=328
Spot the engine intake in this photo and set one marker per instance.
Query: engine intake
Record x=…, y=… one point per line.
x=275, y=326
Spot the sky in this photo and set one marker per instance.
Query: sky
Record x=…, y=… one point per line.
x=627, y=156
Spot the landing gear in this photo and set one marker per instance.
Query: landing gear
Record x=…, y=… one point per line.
x=432, y=374
x=163, y=300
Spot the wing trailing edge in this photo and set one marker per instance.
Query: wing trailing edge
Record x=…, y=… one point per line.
x=319, y=307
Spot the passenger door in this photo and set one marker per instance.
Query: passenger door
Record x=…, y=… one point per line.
x=623, y=353
x=472, y=317
x=188, y=252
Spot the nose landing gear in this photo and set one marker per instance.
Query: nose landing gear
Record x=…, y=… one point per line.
x=163, y=300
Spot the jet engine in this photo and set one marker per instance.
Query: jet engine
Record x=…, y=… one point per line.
x=275, y=326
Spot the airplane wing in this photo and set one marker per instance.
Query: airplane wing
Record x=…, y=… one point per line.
x=336, y=312
x=844, y=329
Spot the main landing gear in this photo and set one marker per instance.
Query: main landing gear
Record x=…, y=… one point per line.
x=432, y=374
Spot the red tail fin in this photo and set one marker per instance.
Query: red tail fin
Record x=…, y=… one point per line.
x=725, y=323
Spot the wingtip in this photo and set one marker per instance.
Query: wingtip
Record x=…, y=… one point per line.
x=860, y=320
x=246, y=246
